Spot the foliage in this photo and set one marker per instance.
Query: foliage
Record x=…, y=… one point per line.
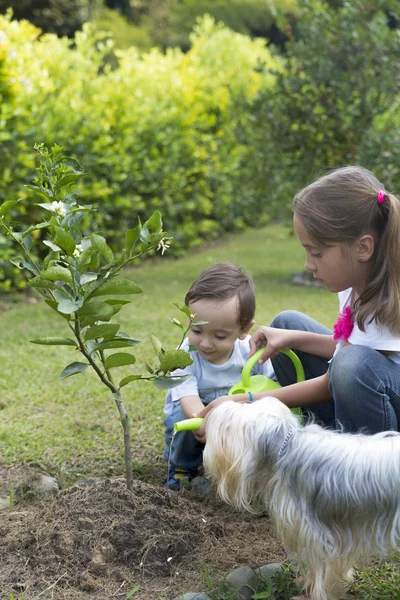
x=380, y=148
x=338, y=77
x=157, y=133
x=124, y=33
x=77, y=270
x=62, y=17
x=174, y=20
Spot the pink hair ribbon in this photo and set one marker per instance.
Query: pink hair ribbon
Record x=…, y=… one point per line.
x=381, y=196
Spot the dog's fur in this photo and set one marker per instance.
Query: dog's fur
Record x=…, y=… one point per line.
x=333, y=497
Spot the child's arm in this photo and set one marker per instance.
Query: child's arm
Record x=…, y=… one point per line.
x=306, y=393
x=277, y=339
x=190, y=405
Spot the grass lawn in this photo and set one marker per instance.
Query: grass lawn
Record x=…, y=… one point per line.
x=70, y=427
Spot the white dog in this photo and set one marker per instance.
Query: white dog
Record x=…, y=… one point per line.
x=332, y=497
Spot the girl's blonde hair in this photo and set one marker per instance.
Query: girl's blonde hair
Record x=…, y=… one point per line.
x=342, y=206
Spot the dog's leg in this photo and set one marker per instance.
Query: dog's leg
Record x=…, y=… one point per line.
x=325, y=581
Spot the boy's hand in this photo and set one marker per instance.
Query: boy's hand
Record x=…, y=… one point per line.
x=200, y=433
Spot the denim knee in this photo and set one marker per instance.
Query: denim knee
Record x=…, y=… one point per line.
x=347, y=368
x=287, y=319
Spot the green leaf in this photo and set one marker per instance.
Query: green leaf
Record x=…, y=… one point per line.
x=175, y=359
x=73, y=369
x=54, y=306
x=98, y=311
x=115, y=343
x=116, y=286
x=27, y=242
x=119, y=359
x=185, y=309
x=101, y=245
x=37, y=282
x=52, y=245
x=64, y=240
x=166, y=383
x=67, y=306
x=22, y=264
x=154, y=224
x=57, y=273
x=47, y=206
x=102, y=331
x=72, y=163
x=177, y=323
x=54, y=341
x=117, y=304
x=67, y=180
x=5, y=207
x=192, y=348
x=90, y=258
x=149, y=368
x=88, y=278
x=155, y=342
x=113, y=301
x=128, y=379
x=131, y=238
x=41, y=191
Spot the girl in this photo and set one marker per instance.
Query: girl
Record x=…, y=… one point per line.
x=349, y=227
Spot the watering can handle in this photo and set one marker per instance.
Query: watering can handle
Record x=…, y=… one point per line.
x=248, y=367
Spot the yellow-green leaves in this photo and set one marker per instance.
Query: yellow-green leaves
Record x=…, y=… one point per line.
x=115, y=287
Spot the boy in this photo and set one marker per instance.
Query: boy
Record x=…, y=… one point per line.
x=223, y=296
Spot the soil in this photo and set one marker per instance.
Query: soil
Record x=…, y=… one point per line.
x=100, y=541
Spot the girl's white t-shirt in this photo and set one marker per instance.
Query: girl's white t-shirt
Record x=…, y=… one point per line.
x=375, y=336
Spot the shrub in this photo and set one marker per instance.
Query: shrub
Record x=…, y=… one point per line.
x=157, y=133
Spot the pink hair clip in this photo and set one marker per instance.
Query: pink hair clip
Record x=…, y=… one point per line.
x=381, y=196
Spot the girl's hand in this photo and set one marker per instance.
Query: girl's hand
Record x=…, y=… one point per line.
x=200, y=433
x=272, y=339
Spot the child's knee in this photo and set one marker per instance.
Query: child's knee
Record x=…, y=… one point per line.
x=347, y=367
x=287, y=319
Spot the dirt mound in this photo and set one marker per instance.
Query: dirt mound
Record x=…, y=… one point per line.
x=101, y=541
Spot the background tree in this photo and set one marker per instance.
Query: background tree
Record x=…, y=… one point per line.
x=62, y=17
x=338, y=78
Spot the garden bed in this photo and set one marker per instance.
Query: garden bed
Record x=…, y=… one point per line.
x=101, y=541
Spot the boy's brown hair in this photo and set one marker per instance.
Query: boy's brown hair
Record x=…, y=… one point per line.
x=223, y=281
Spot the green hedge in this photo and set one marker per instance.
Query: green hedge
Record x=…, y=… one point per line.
x=158, y=132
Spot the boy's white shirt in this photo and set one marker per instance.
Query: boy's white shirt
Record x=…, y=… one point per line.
x=375, y=336
x=210, y=381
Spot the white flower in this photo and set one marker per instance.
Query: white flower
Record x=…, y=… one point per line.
x=59, y=208
x=164, y=244
x=78, y=251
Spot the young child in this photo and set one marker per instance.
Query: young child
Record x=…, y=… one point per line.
x=223, y=297
x=349, y=227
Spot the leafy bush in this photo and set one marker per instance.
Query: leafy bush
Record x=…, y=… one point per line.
x=156, y=133
x=380, y=149
x=340, y=74
x=249, y=17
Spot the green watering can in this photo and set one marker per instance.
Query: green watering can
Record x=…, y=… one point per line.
x=250, y=383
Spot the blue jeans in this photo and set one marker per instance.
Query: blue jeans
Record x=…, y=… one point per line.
x=186, y=451
x=364, y=384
